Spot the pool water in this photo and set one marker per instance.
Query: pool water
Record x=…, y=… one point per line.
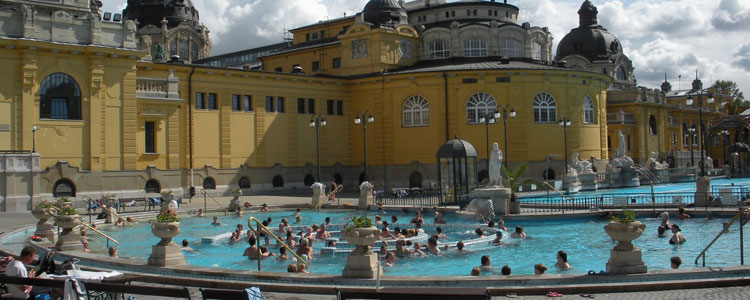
x=583, y=239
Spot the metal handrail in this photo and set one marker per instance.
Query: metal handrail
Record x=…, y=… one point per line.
x=116, y=215
x=78, y=221
x=268, y=231
x=217, y=201
x=558, y=191
x=723, y=230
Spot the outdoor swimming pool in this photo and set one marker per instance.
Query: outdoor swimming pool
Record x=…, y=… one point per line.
x=583, y=239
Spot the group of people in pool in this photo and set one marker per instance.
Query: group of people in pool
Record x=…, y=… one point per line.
x=539, y=269
x=677, y=237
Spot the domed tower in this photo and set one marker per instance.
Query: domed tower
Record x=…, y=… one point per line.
x=591, y=47
x=384, y=13
x=169, y=27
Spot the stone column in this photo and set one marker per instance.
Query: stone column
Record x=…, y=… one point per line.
x=19, y=181
x=625, y=258
x=702, y=191
x=365, y=195
x=500, y=198
x=166, y=252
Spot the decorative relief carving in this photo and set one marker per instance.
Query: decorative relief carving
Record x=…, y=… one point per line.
x=60, y=131
x=359, y=48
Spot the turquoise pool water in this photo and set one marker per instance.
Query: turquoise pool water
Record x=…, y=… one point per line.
x=584, y=240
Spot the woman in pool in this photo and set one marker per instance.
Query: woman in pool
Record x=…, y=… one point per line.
x=378, y=220
x=417, y=218
x=682, y=215
x=322, y=233
x=432, y=246
x=539, y=269
x=661, y=231
x=200, y=213
x=438, y=218
x=479, y=232
x=304, y=248
x=677, y=237
x=498, y=238
x=440, y=233
x=398, y=233
x=519, y=234
x=264, y=207
x=417, y=251
x=562, y=260
x=239, y=211
x=390, y=259
x=401, y=250
x=383, y=251
x=290, y=239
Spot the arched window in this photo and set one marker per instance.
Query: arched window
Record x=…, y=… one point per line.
x=652, y=125
x=416, y=112
x=685, y=135
x=588, y=110
x=536, y=51
x=193, y=51
x=309, y=180
x=209, y=183
x=510, y=48
x=439, y=49
x=278, y=181
x=479, y=105
x=475, y=47
x=152, y=186
x=415, y=180
x=244, y=182
x=545, y=108
x=548, y=174
x=59, y=98
x=64, y=188
x=621, y=75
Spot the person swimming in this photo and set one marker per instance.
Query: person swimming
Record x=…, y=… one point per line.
x=518, y=233
x=677, y=237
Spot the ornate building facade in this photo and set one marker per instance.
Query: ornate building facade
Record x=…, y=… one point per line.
x=112, y=115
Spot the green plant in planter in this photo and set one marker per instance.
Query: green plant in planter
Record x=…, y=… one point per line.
x=43, y=204
x=65, y=207
x=167, y=216
x=356, y=222
x=628, y=216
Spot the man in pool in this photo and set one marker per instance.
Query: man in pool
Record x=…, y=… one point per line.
x=216, y=222
x=675, y=262
x=252, y=251
x=186, y=246
x=519, y=234
x=322, y=234
x=485, y=263
x=460, y=247
x=505, y=270
x=390, y=259
x=498, y=238
x=304, y=248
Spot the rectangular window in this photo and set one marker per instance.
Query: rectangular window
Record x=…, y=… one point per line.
x=278, y=69
x=447, y=15
x=311, y=106
x=300, y=105
x=199, y=104
x=314, y=35
x=316, y=66
x=280, y=104
x=212, y=105
x=475, y=12
x=236, y=103
x=150, y=131
x=337, y=62
x=330, y=107
x=269, y=104
x=453, y=13
x=307, y=37
x=340, y=108
x=247, y=103
x=468, y=12
x=489, y=13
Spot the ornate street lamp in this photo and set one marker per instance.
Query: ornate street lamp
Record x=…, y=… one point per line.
x=366, y=114
x=316, y=122
x=565, y=122
x=33, y=138
x=507, y=111
x=699, y=91
x=692, y=130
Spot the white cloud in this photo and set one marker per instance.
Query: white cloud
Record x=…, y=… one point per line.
x=742, y=59
x=732, y=15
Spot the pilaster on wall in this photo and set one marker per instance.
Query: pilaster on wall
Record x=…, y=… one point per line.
x=292, y=119
x=97, y=111
x=225, y=121
x=24, y=106
x=602, y=106
x=129, y=123
x=260, y=131
x=173, y=139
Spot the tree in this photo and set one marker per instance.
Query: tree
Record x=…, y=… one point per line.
x=512, y=177
x=728, y=87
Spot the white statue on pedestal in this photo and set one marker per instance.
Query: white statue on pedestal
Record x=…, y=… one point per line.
x=580, y=166
x=621, y=160
x=496, y=159
x=654, y=164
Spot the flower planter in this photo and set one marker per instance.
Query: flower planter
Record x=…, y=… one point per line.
x=624, y=234
x=68, y=240
x=166, y=252
x=625, y=258
x=361, y=263
x=43, y=227
x=165, y=231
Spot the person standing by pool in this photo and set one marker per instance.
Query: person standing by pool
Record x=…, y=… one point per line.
x=519, y=234
x=562, y=260
x=675, y=262
x=677, y=237
x=539, y=269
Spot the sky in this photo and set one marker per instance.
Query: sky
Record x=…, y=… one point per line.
x=676, y=37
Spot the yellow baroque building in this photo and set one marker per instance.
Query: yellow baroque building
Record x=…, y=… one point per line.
x=108, y=113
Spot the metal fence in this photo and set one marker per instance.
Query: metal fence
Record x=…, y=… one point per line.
x=413, y=199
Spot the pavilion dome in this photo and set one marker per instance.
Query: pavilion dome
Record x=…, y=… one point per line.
x=382, y=12
x=589, y=39
x=152, y=12
x=456, y=148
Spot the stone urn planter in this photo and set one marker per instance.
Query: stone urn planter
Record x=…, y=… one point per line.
x=166, y=252
x=43, y=227
x=109, y=201
x=68, y=240
x=625, y=258
x=361, y=263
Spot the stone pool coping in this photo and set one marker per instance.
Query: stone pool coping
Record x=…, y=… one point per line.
x=498, y=285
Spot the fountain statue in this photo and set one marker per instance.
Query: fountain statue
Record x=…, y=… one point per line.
x=495, y=163
x=620, y=169
x=654, y=164
x=580, y=166
x=581, y=175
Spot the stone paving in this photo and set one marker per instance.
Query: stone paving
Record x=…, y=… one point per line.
x=12, y=220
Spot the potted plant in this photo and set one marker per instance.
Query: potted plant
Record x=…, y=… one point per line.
x=512, y=179
x=360, y=232
x=166, y=227
x=67, y=216
x=624, y=230
x=41, y=211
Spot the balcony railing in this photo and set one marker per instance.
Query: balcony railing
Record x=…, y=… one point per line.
x=158, y=88
x=620, y=117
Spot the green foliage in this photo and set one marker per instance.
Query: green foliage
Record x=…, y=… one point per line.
x=729, y=88
x=356, y=222
x=512, y=178
x=65, y=207
x=167, y=216
x=628, y=216
x=44, y=204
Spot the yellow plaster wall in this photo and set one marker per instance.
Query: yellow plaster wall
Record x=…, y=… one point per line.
x=305, y=59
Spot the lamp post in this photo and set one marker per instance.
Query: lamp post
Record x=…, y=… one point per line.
x=692, y=141
x=487, y=121
x=699, y=91
x=316, y=122
x=366, y=114
x=505, y=112
x=724, y=134
x=33, y=138
x=565, y=122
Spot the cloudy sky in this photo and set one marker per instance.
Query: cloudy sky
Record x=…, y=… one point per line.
x=676, y=36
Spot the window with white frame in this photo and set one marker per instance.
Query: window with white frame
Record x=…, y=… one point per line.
x=510, y=48
x=475, y=47
x=478, y=106
x=588, y=110
x=536, y=51
x=439, y=49
x=416, y=112
x=545, y=108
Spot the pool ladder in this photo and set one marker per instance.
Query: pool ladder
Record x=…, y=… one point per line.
x=257, y=231
x=743, y=220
